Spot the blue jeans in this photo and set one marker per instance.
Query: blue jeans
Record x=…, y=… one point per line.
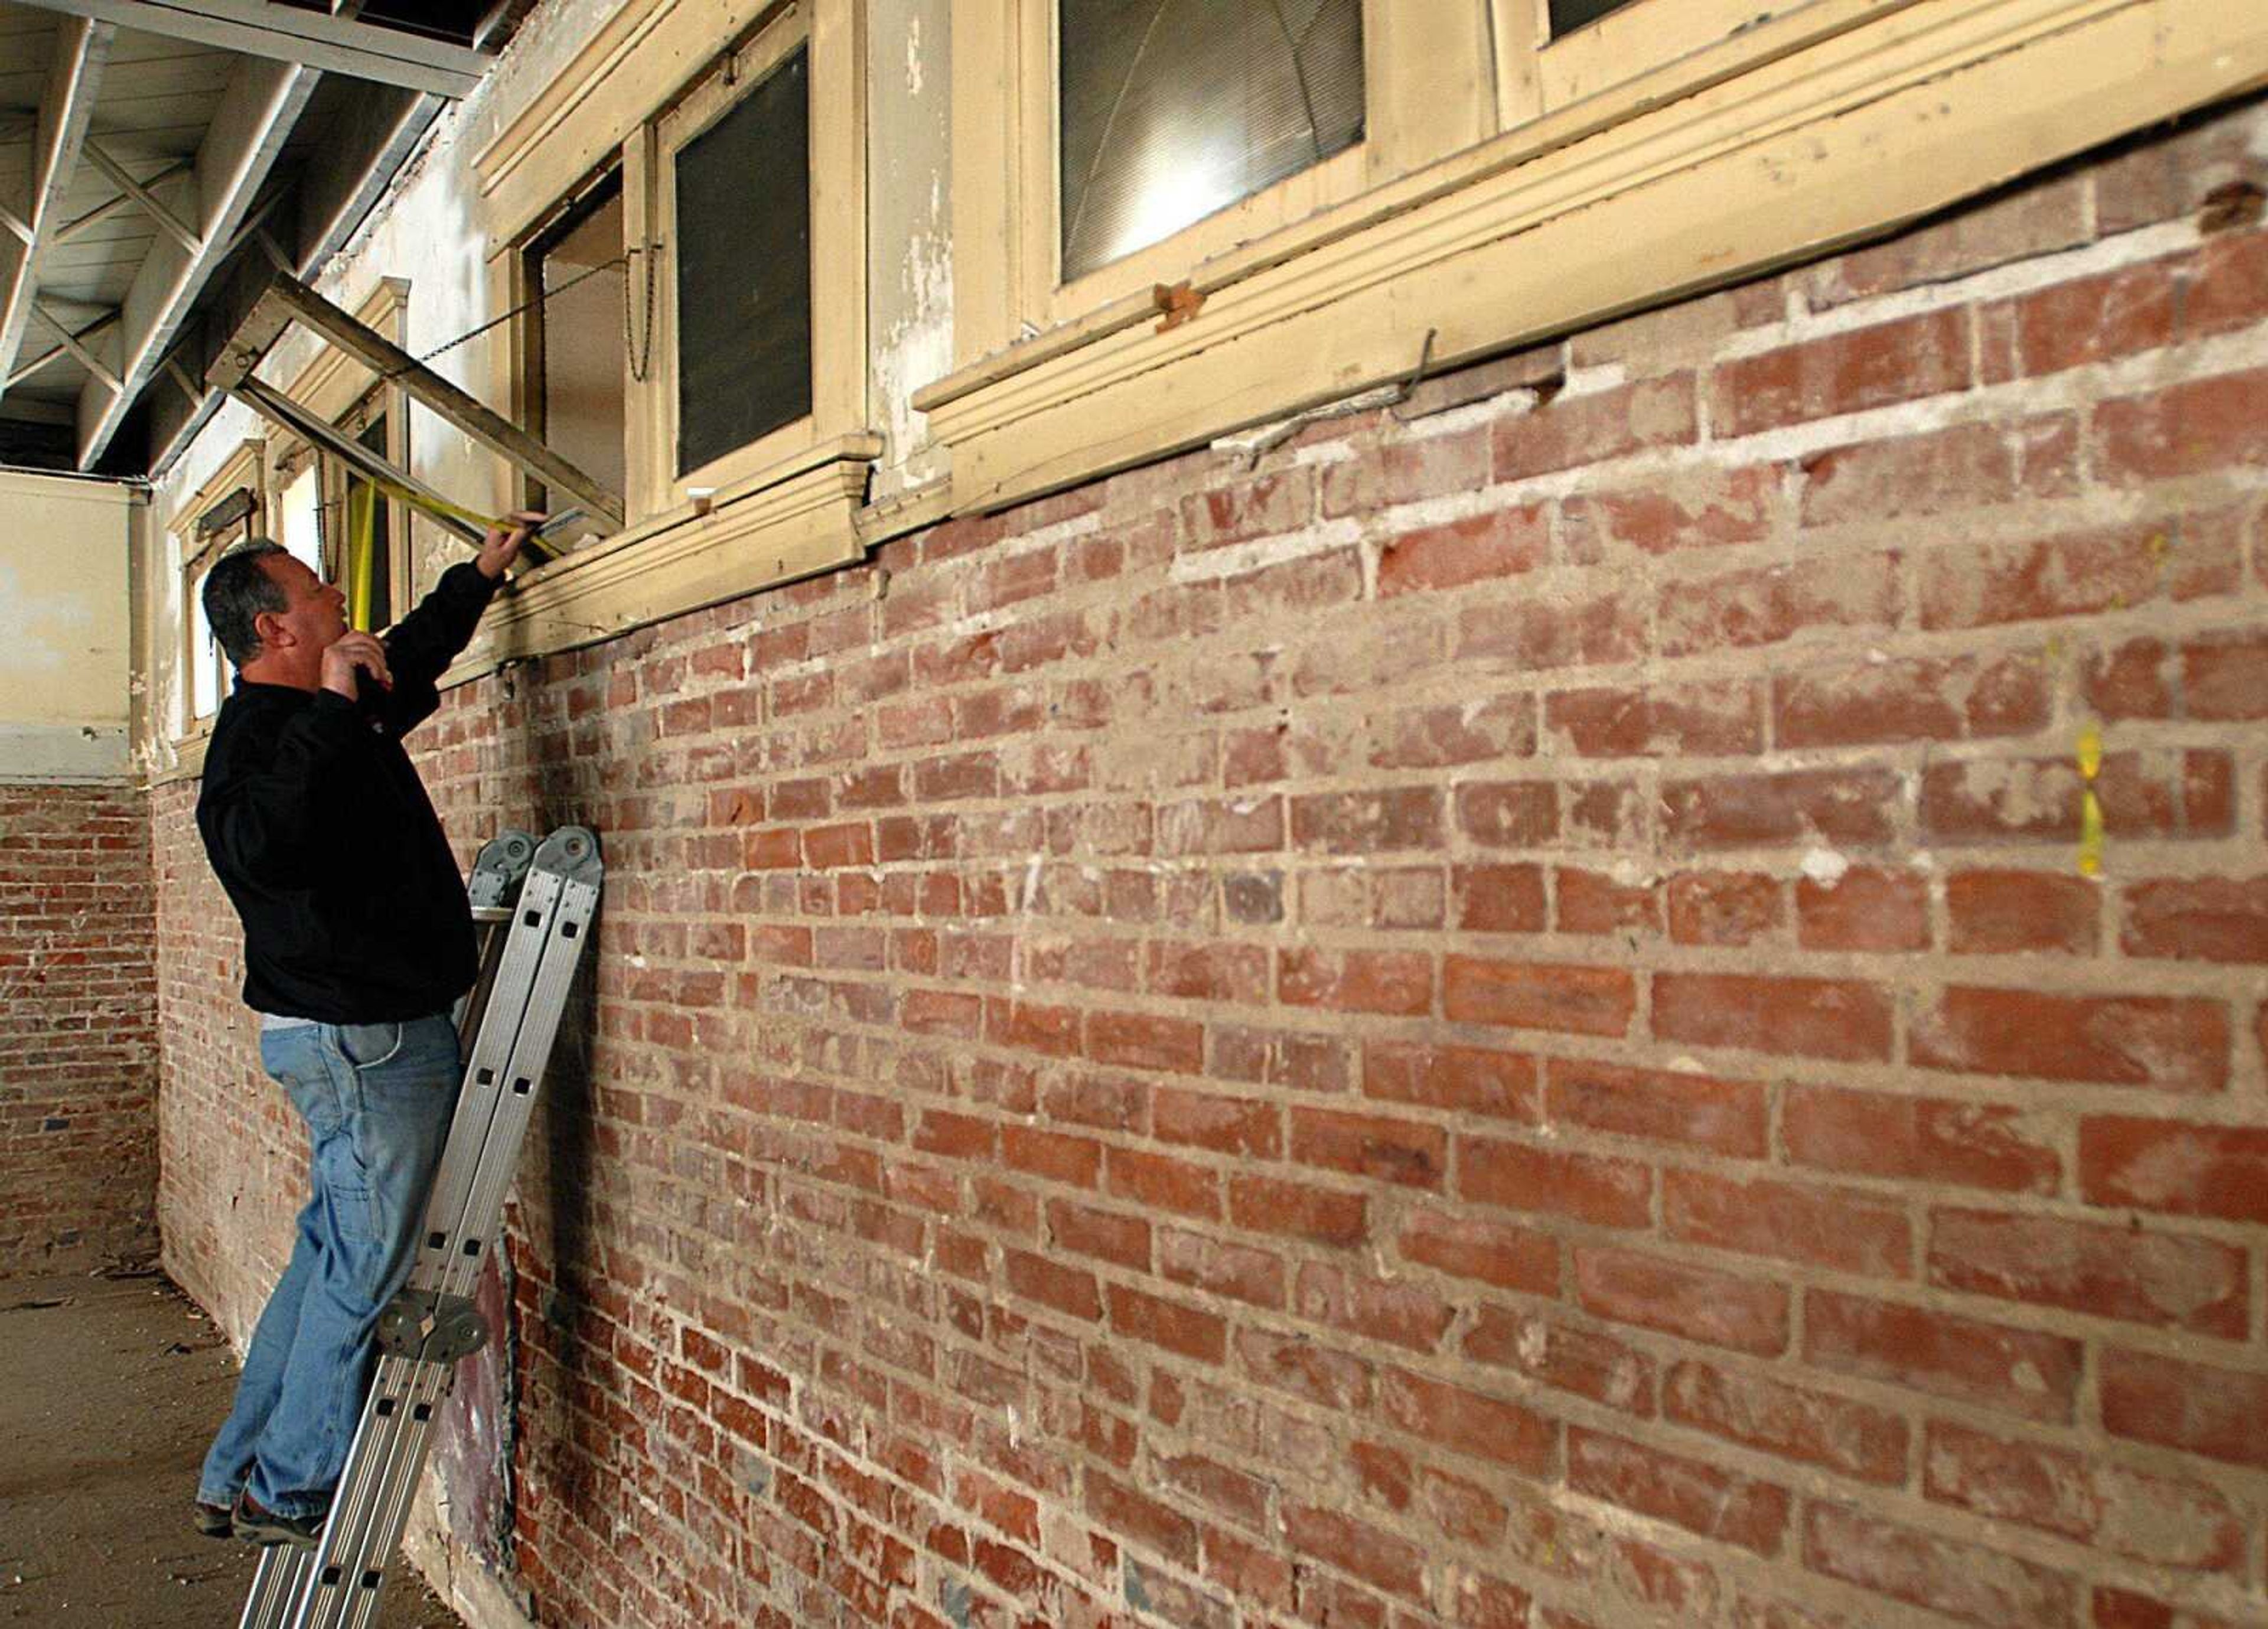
x=377, y=1098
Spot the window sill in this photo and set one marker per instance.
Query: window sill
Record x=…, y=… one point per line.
x=1761, y=150
x=794, y=519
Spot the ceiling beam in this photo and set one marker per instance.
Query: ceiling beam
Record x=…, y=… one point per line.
x=109, y=207
x=70, y=345
x=82, y=50
x=255, y=114
x=333, y=44
x=94, y=364
x=121, y=178
x=337, y=190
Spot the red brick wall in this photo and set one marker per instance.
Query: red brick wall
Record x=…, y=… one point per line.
x=78, y=1054
x=1494, y=1022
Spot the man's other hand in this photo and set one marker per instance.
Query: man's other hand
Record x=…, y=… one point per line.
x=502, y=544
x=354, y=653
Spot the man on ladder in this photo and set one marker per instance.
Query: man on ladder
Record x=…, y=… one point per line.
x=357, y=941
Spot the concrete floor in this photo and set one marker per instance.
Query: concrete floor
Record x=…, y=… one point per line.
x=110, y=1388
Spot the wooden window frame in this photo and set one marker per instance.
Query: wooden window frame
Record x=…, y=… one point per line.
x=245, y=468
x=654, y=74
x=1717, y=152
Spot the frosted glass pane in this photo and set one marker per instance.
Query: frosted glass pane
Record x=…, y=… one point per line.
x=1172, y=109
x=300, y=518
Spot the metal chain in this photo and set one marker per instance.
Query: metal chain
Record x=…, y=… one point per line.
x=643, y=352
x=529, y=304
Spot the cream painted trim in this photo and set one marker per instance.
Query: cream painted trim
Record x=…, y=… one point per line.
x=638, y=61
x=1583, y=217
x=245, y=467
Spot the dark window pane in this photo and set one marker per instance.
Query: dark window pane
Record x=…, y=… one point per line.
x=1174, y=108
x=1569, y=15
x=744, y=271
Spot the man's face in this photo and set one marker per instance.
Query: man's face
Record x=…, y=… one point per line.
x=313, y=613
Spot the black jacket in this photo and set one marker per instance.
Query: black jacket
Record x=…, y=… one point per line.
x=318, y=827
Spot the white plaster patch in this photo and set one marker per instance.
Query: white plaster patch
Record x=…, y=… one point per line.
x=1825, y=867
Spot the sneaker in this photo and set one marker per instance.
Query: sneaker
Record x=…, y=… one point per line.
x=215, y=1521
x=256, y=1525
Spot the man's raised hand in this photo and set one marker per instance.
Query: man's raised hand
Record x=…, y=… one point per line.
x=502, y=544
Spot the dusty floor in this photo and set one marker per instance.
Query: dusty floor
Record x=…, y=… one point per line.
x=110, y=1388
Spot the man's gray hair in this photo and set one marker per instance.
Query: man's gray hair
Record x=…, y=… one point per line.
x=236, y=590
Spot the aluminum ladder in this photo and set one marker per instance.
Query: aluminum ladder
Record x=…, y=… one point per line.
x=535, y=941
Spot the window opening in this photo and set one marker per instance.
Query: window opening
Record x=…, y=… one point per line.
x=576, y=393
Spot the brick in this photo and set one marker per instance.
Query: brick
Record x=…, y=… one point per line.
x=2152, y=1519
x=1766, y=605
x=1298, y=1210
x=1921, y=1139
x=1725, y=908
x=1263, y=506
x=2203, y=426
x=1854, y=808
x=2152, y=794
x=1719, y=1308
x=1221, y=1268
x=2017, y=1371
x=1492, y=1252
x=2103, y=1272
x=1863, y=910
x=1925, y=699
x=1508, y=814
x=1806, y=1017
x=1827, y=1228
x=1716, y=1504
x=1356, y=981
x=1605, y=1193
x=1523, y=995
x=1365, y=823
x=2036, y=216
x=1207, y=1119
x=1399, y=1311
x=2172, y=1044
x=2225, y=676
x=1460, y=1079
x=1703, y=508
x=2217, y=1413
x=1473, y=732
x=2130, y=680
x=1660, y=1106
x=1964, y=1581
x=1456, y=554
x=1406, y=1153
x=1468, y=1421
x=1567, y=629
x=2169, y=1165
x=1498, y=899
x=1585, y=429
x=1565, y=1356
x=2016, y=912
x=1169, y=1324
x=1892, y=361
x=1816, y=1427
x=1693, y=720
x=1596, y=902
x=1984, y=585
x=2224, y=919
x=1867, y=482
x=1382, y=473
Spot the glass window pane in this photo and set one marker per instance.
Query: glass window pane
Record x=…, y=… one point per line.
x=204, y=659
x=744, y=270
x=579, y=348
x=1172, y=109
x=1569, y=15
x=299, y=518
